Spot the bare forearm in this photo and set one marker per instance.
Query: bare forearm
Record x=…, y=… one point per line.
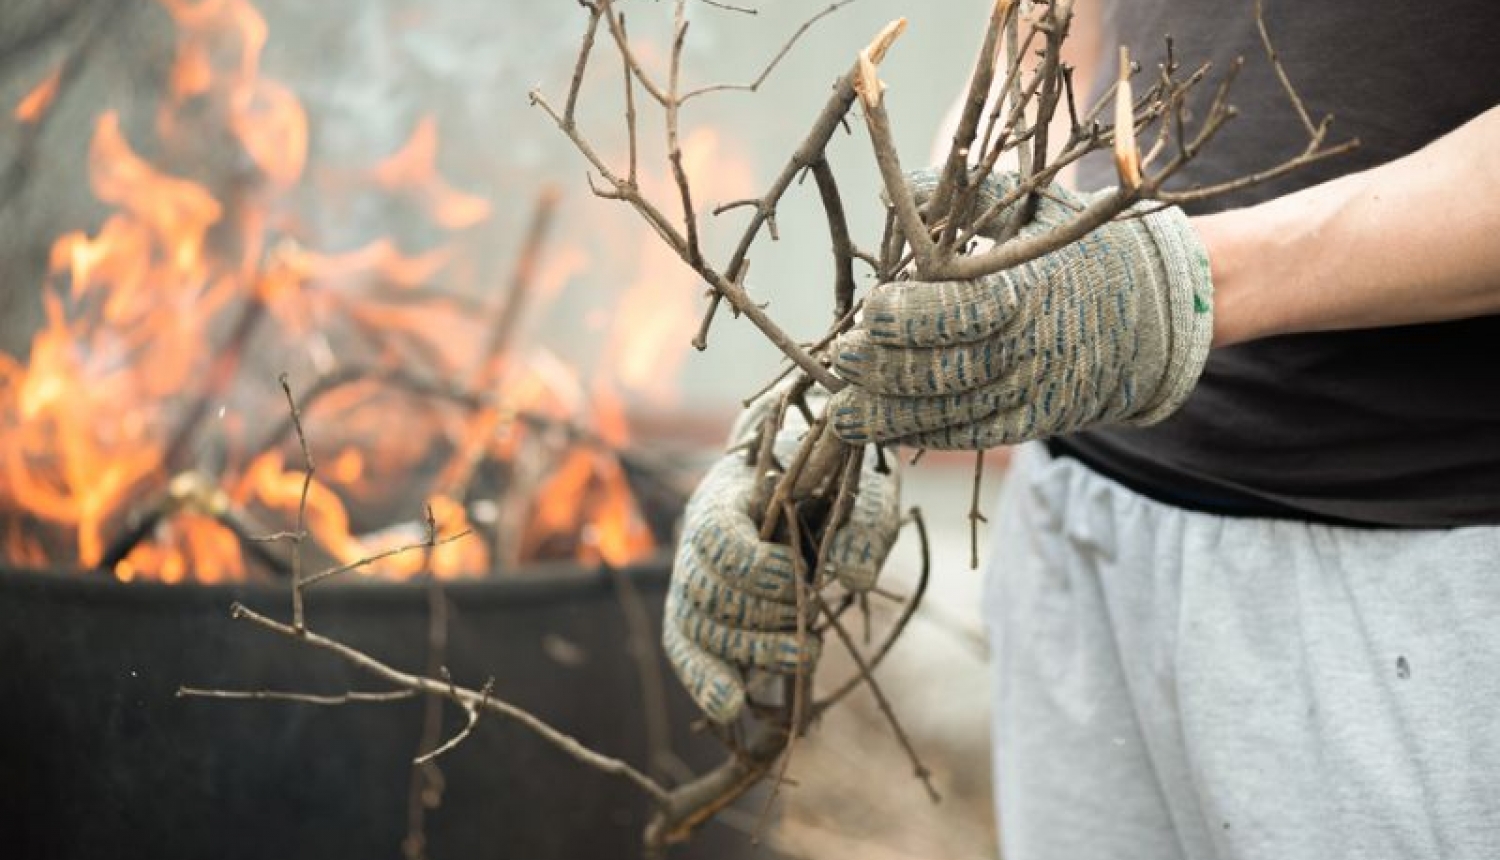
x=1416, y=240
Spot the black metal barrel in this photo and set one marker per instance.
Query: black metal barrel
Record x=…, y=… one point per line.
x=99, y=758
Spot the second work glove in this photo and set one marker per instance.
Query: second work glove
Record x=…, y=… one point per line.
x=732, y=604
x=1111, y=329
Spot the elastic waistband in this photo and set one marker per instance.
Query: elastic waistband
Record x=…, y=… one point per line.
x=1223, y=504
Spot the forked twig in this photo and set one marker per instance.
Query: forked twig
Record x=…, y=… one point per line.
x=473, y=712
x=908, y=611
x=918, y=768
x=463, y=695
x=473, y=702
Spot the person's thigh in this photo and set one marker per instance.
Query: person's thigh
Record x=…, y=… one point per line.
x=1340, y=689
x=1176, y=684
x=1074, y=778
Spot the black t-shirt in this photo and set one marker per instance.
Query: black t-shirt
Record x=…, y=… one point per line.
x=1394, y=426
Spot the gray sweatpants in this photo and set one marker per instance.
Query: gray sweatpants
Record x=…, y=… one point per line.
x=1178, y=685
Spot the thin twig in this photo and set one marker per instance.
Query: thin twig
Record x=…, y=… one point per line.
x=788, y=480
x=630, y=132
x=559, y=740
x=838, y=235
x=349, y=698
x=300, y=533
x=620, y=190
x=473, y=712
x=770, y=67
x=955, y=168
x=582, y=63
x=1296, y=163
x=622, y=42
x=908, y=611
x=729, y=7
x=642, y=648
x=919, y=769
x=674, y=149
x=843, y=504
x=800, y=682
x=1281, y=75
x=975, y=515
x=426, y=543
x=425, y=788
x=690, y=805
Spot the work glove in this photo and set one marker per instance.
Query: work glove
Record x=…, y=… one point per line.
x=1111, y=329
x=732, y=602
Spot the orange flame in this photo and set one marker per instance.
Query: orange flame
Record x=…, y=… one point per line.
x=265, y=116
x=589, y=497
x=655, y=317
x=412, y=170
x=35, y=103
x=177, y=212
x=136, y=311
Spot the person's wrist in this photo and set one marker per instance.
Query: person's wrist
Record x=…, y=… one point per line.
x=1241, y=262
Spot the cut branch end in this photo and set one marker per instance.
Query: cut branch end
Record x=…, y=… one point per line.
x=867, y=82
x=1127, y=151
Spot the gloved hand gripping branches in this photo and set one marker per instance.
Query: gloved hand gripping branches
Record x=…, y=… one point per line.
x=1113, y=328
x=957, y=347
x=733, y=604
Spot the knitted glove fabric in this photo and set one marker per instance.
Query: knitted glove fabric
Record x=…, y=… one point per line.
x=1113, y=328
x=732, y=602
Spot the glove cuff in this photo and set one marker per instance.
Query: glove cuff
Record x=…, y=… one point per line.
x=1188, y=309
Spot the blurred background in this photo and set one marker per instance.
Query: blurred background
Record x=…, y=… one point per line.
x=197, y=196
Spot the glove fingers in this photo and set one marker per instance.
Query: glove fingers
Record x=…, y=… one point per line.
x=703, y=589
x=726, y=540
x=925, y=371
x=1007, y=427
x=1040, y=406
x=773, y=652
x=715, y=686
x=938, y=313
x=750, y=419
x=859, y=416
x=859, y=547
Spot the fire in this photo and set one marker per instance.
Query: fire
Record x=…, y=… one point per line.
x=411, y=171
x=652, y=321
x=138, y=413
x=610, y=524
x=176, y=213
x=265, y=116
x=35, y=103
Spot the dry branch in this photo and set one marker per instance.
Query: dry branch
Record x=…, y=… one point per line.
x=1165, y=104
x=934, y=240
x=473, y=702
x=908, y=611
x=804, y=503
x=351, y=697
x=463, y=695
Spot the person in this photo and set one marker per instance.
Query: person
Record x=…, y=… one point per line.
x=1246, y=570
